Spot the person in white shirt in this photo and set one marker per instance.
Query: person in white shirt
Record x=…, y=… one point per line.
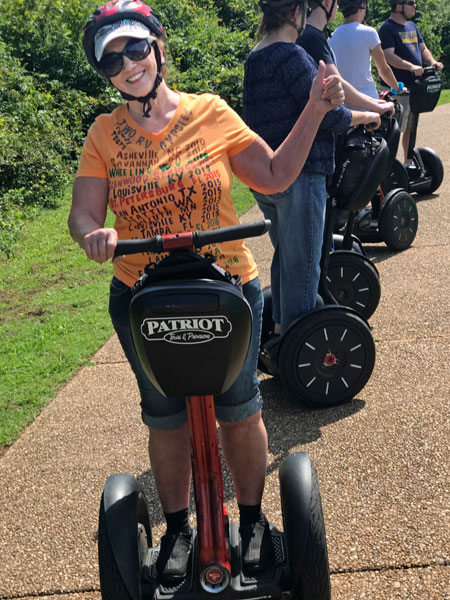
x=354, y=45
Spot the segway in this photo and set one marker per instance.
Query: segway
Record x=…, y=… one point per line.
x=352, y=278
x=327, y=355
x=392, y=217
x=425, y=173
x=190, y=319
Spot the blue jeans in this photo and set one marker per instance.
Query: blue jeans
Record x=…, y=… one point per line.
x=298, y=218
x=239, y=402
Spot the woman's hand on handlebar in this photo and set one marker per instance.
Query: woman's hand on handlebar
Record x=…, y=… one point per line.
x=385, y=106
x=100, y=244
x=371, y=119
x=326, y=92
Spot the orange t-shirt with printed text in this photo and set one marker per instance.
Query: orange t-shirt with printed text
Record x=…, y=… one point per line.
x=176, y=180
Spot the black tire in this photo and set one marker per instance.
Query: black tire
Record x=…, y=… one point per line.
x=398, y=220
x=397, y=178
x=433, y=168
x=112, y=585
x=327, y=356
x=354, y=281
x=304, y=527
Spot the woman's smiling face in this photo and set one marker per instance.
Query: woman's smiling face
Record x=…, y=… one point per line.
x=136, y=77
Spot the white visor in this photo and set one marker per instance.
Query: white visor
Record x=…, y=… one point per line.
x=124, y=28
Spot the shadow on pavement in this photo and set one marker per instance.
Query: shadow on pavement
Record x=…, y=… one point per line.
x=305, y=425
x=279, y=407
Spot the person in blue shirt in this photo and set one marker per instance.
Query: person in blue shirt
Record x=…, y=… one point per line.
x=406, y=53
x=277, y=82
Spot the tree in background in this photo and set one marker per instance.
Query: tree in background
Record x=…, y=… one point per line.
x=49, y=95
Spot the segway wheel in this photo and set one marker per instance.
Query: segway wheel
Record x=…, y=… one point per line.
x=327, y=356
x=397, y=178
x=304, y=528
x=112, y=584
x=354, y=281
x=398, y=220
x=433, y=168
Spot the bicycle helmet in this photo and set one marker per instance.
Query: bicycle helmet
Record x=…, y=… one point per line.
x=393, y=4
x=350, y=7
x=282, y=7
x=135, y=17
x=276, y=5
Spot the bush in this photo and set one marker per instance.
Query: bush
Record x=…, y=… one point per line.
x=49, y=94
x=40, y=139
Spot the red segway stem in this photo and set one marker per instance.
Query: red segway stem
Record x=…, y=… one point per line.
x=178, y=241
x=208, y=486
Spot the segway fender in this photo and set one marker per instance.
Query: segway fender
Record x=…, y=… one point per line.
x=120, y=498
x=296, y=480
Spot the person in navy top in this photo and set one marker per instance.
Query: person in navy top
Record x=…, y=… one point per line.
x=277, y=83
x=406, y=53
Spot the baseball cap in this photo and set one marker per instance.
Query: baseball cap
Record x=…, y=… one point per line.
x=123, y=28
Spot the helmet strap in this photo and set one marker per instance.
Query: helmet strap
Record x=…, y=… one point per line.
x=401, y=12
x=267, y=9
x=297, y=27
x=328, y=12
x=145, y=100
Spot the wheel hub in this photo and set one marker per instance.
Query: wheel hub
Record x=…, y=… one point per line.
x=330, y=359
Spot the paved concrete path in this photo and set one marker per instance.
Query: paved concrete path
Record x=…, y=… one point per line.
x=383, y=459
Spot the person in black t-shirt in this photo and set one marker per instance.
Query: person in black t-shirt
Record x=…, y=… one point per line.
x=315, y=43
x=406, y=53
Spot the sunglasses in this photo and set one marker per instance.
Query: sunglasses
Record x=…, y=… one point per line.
x=112, y=63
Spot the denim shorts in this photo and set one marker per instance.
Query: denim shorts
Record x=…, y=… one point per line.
x=239, y=402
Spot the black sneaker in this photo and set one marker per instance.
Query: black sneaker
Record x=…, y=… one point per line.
x=171, y=564
x=258, y=553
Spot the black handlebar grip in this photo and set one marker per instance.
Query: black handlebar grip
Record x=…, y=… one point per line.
x=199, y=238
x=154, y=244
x=227, y=234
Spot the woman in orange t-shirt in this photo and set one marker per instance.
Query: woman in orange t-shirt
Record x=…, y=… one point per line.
x=163, y=163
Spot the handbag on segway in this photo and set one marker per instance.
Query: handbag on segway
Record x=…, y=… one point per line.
x=327, y=355
x=191, y=327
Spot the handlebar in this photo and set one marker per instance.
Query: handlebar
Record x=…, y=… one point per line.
x=192, y=239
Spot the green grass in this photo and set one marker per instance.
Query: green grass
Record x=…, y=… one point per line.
x=445, y=97
x=53, y=314
x=242, y=197
x=53, y=307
